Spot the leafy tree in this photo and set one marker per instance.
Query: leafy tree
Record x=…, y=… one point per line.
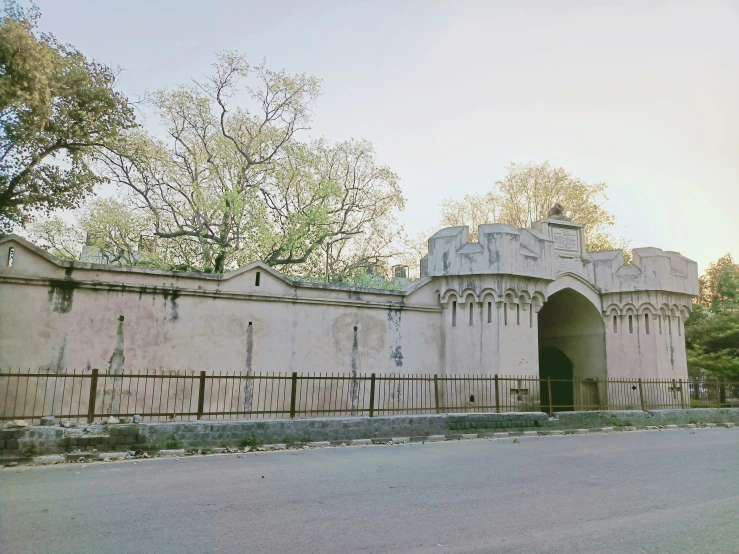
x=57, y=109
x=231, y=183
x=60, y=238
x=712, y=330
x=473, y=210
x=527, y=193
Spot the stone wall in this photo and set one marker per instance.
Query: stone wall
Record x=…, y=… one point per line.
x=28, y=442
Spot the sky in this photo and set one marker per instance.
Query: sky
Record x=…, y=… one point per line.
x=641, y=95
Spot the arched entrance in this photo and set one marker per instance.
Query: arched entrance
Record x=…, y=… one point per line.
x=554, y=365
x=572, y=350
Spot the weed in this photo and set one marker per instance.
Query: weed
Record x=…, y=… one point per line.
x=516, y=441
x=251, y=442
x=31, y=450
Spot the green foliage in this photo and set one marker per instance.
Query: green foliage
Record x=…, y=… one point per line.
x=712, y=330
x=251, y=442
x=526, y=194
x=233, y=183
x=57, y=109
x=362, y=280
x=31, y=450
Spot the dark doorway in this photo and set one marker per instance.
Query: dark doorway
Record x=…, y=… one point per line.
x=554, y=365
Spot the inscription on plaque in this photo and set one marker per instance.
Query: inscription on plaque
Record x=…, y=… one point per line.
x=565, y=239
x=566, y=264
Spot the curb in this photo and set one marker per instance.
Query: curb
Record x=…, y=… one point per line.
x=86, y=457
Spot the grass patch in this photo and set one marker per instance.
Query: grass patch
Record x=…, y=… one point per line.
x=291, y=442
x=251, y=442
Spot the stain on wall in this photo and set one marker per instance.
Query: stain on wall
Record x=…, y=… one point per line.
x=172, y=295
x=115, y=366
x=249, y=386
x=355, y=363
x=61, y=295
x=394, y=317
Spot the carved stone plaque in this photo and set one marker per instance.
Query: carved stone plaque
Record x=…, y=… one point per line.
x=566, y=264
x=565, y=239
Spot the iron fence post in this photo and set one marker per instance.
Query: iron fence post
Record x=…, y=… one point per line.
x=549, y=389
x=372, y=396
x=497, y=395
x=682, y=398
x=641, y=396
x=93, y=396
x=293, y=394
x=597, y=395
x=201, y=394
x=436, y=392
x=718, y=395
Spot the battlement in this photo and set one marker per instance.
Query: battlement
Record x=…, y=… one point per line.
x=651, y=269
x=501, y=249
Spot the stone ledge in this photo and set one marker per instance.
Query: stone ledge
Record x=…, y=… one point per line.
x=209, y=435
x=172, y=452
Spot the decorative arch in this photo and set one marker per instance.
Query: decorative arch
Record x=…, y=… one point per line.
x=573, y=324
x=449, y=294
x=578, y=284
x=487, y=292
x=629, y=309
x=510, y=296
x=465, y=295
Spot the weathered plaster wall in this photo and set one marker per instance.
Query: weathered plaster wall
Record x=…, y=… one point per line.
x=475, y=311
x=54, y=317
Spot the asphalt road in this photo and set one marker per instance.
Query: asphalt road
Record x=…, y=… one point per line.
x=661, y=492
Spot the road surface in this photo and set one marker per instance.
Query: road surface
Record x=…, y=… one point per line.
x=660, y=492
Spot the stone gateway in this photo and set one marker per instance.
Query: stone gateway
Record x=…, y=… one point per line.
x=522, y=302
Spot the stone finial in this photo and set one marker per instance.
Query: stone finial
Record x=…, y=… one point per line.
x=557, y=211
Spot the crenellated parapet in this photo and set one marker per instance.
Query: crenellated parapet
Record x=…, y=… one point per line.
x=652, y=269
x=500, y=250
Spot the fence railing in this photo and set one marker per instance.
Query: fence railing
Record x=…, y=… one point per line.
x=92, y=395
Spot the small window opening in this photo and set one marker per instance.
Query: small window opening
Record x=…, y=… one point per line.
x=472, y=311
x=454, y=313
x=669, y=324
x=615, y=324
x=256, y=281
x=490, y=312
x=631, y=324
x=531, y=315
x=11, y=256
x=660, y=324
x=646, y=323
x=518, y=314
x=679, y=331
x=505, y=314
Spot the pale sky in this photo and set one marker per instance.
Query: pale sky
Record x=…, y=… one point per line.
x=643, y=95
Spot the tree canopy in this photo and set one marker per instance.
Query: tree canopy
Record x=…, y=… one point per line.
x=712, y=330
x=526, y=194
x=233, y=181
x=57, y=110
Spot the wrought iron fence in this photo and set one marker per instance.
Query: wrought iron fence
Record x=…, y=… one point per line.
x=91, y=395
